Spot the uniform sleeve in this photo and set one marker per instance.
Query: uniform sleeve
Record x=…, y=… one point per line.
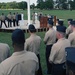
x=45, y=38
x=67, y=31
x=26, y=45
x=70, y=38
x=9, y=54
x=1, y=70
x=53, y=53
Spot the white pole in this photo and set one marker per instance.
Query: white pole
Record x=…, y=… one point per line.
x=67, y=1
x=28, y=4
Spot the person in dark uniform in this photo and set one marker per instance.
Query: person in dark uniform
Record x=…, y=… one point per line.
x=60, y=22
x=57, y=56
x=3, y=20
x=49, y=40
x=17, y=20
x=14, y=19
x=39, y=16
x=9, y=16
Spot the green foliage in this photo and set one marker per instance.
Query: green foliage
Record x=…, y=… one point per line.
x=64, y=6
x=62, y=1
x=14, y=5
x=72, y=4
x=48, y=4
x=22, y=5
x=32, y=6
x=38, y=1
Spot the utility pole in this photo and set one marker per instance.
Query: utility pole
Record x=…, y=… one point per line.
x=67, y=1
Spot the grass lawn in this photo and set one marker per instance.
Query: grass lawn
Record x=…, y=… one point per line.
x=64, y=14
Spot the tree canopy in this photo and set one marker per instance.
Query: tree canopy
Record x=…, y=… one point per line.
x=41, y=4
x=14, y=5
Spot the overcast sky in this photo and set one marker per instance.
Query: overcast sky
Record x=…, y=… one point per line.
x=31, y=1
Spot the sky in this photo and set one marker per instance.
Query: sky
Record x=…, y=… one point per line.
x=31, y=1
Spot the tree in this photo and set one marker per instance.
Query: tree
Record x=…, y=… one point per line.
x=72, y=3
x=40, y=4
x=46, y=4
x=22, y=5
x=62, y=1
x=39, y=1
x=7, y=6
x=49, y=4
x=13, y=5
x=64, y=6
x=32, y=6
x=3, y=5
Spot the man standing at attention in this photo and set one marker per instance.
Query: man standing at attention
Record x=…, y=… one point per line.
x=72, y=35
x=14, y=19
x=57, y=56
x=9, y=16
x=33, y=18
x=21, y=62
x=49, y=40
x=2, y=17
x=33, y=44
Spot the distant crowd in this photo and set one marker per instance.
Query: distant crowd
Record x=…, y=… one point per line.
x=11, y=18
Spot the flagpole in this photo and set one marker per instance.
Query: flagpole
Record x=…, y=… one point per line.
x=28, y=6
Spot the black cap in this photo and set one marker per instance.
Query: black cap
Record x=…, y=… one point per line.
x=70, y=19
x=72, y=23
x=61, y=29
x=57, y=19
x=52, y=16
x=60, y=23
x=32, y=28
x=50, y=22
x=70, y=54
x=70, y=58
x=18, y=36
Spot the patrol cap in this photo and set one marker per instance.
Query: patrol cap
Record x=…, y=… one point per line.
x=60, y=22
x=70, y=19
x=57, y=19
x=70, y=57
x=61, y=29
x=72, y=23
x=50, y=22
x=32, y=28
x=18, y=36
x=52, y=16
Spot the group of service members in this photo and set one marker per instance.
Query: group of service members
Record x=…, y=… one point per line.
x=10, y=18
x=56, y=41
x=26, y=57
